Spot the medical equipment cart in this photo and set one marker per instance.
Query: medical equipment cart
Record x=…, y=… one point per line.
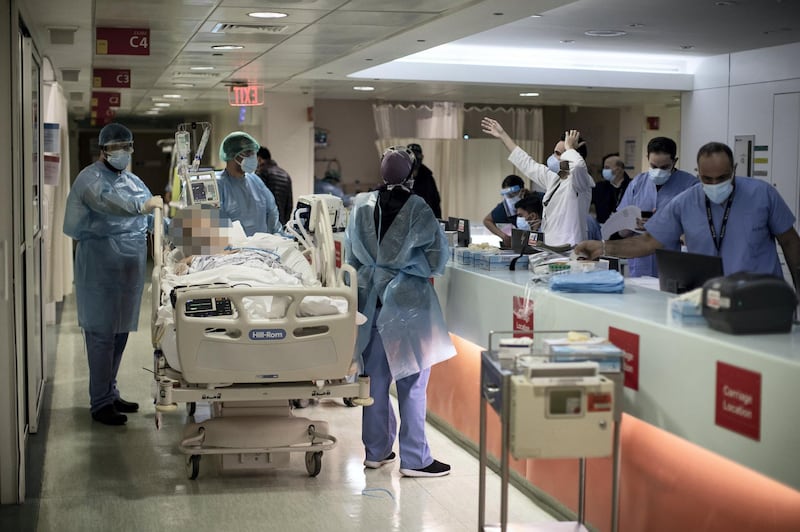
x=501, y=376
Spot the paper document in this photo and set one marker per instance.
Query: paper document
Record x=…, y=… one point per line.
x=623, y=219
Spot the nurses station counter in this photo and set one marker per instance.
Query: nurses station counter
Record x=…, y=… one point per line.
x=710, y=438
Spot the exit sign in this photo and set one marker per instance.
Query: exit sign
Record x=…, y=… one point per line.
x=246, y=95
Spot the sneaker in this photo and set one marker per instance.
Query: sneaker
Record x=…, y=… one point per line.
x=125, y=406
x=108, y=415
x=436, y=469
x=372, y=464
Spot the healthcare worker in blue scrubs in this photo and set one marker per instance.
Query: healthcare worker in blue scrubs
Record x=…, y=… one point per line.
x=736, y=218
x=106, y=213
x=652, y=190
x=396, y=244
x=243, y=195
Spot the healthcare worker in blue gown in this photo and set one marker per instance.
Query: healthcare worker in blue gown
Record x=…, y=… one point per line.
x=107, y=213
x=396, y=244
x=243, y=195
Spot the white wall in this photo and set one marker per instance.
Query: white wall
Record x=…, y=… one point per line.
x=633, y=126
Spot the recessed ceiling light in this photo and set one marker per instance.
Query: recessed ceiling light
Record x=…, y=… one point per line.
x=227, y=47
x=605, y=33
x=183, y=85
x=536, y=16
x=162, y=104
x=201, y=68
x=174, y=96
x=365, y=88
x=529, y=94
x=266, y=14
x=567, y=41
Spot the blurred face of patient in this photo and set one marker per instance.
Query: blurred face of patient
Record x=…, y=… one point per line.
x=200, y=231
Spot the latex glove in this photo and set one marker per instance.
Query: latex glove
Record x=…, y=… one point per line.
x=151, y=204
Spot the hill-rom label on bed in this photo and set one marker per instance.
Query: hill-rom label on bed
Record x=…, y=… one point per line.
x=267, y=334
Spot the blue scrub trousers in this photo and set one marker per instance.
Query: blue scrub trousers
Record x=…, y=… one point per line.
x=379, y=425
x=104, y=351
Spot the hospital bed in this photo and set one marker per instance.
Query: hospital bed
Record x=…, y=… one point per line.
x=248, y=367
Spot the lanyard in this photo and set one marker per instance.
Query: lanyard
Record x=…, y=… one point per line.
x=718, y=241
x=546, y=202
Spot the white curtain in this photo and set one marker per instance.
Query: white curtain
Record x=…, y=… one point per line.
x=440, y=120
x=58, y=247
x=468, y=172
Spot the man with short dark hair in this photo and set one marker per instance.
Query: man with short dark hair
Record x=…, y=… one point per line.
x=278, y=182
x=652, y=190
x=424, y=184
x=736, y=218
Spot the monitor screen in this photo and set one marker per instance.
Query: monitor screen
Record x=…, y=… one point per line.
x=680, y=272
x=519, y=240
x=463, y=232
x=452, y=223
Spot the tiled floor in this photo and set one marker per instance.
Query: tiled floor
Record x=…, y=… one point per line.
x=133, y=478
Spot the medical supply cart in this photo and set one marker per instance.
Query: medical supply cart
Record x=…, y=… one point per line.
x=554, y=401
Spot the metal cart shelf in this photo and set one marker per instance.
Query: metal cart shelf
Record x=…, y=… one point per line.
x=495, y=389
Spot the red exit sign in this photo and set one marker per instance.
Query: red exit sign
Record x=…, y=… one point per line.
x=246, y=95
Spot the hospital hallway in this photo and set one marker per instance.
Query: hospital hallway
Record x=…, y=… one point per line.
x=84, y=476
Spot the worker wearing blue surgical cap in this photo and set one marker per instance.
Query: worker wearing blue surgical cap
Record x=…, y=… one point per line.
x=396, y=244
x=243, y=196
x=106, y=213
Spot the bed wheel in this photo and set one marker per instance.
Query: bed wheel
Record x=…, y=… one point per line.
x=348, y=401
x=193, y=466
x=314, y=463
x=191, y=408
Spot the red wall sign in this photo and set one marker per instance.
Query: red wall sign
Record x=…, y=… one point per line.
x=629, y=343
x=738, y=400
x=122, y=41
x=105, y=99
x=108, y=78
x=523, y=316
x=246, y=95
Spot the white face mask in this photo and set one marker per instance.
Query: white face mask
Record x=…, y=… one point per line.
x=659, y=176
x=719, y=192
x=249, y=164
x=553, y=163
x=119, y=159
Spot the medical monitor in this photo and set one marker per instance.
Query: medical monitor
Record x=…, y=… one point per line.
x=202, y=188
x=680, y=272
x=452, y=223
x=523, y=241
x=463, y=232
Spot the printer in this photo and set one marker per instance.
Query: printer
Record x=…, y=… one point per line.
x=749, y=303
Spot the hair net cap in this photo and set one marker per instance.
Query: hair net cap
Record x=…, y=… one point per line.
x=112, y=133
x=396, y=166
x=235, y=143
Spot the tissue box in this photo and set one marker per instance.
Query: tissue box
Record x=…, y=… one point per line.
x=607, y=355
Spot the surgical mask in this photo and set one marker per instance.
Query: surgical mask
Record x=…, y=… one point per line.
x=659, y=176
x=552, y=163
x=523, y=224
x=608, y=174
x=720, y=191
x=119, y=159
x=249, y=164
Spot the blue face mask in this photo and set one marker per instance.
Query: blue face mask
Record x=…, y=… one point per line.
x=658, y=175
x=553, y=163
x=608, y=174
x=523, y=224
x=249, y=164
x=119, y=159
x=720, y=191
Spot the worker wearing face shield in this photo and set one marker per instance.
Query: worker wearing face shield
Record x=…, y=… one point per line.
x=243, y=196
x=512, y=190
x=396, y=244
x=107, y=213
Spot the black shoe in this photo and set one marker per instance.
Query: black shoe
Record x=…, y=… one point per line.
x=375, y=464
x=436, y=469
x=108, y=415
x=125, y=406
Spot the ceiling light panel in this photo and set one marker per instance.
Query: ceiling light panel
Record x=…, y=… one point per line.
x=293, y=16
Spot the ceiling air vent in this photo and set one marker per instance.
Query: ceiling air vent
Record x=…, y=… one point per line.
x=238, y=29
